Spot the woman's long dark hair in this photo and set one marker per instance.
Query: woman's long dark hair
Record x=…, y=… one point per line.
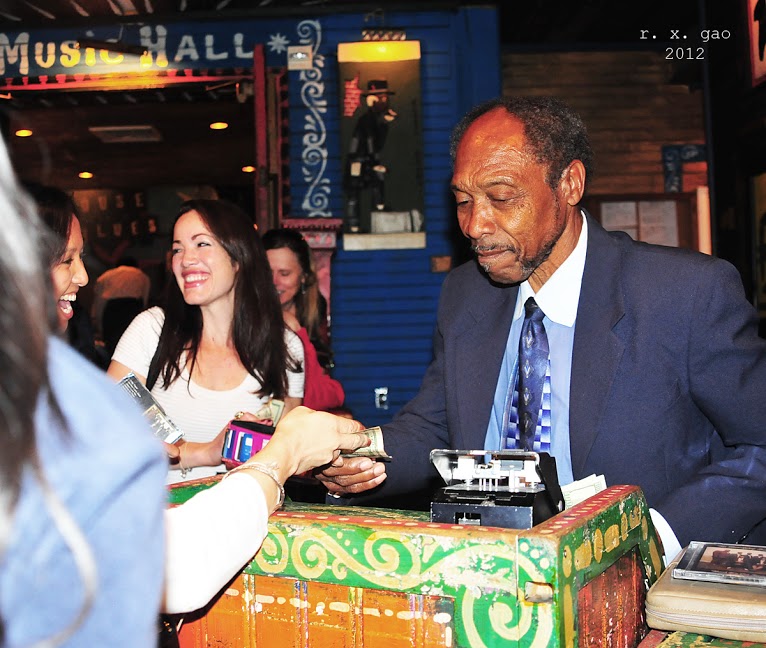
x=258, y=327
x=57, y=210
x=310, y=306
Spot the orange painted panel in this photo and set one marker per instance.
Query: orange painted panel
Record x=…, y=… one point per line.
x=224, y=624
x=285, y=612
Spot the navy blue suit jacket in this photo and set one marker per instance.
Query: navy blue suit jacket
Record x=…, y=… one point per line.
x=668, y=385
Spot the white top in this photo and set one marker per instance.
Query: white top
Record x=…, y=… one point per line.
x=200, y=413
x=200, y=559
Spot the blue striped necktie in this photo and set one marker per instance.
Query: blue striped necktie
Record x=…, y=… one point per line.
x=533, y=375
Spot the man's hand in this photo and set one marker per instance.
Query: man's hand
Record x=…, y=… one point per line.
x=348, y=475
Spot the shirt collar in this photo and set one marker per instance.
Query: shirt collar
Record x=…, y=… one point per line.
x=559, y=296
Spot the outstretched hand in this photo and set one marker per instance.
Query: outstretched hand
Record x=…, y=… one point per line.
x=305, y=439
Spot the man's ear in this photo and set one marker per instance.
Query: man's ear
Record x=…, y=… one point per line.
x=572, y=182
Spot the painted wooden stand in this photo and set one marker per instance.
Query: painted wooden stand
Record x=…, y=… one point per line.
x=360, y=577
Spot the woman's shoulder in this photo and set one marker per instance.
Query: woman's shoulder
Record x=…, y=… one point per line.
x=152, y=319
x=154, y=314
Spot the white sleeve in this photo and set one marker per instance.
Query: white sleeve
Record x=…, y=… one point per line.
x=295, y=379
x=670, y=545
x=209, y=539
x=139, y=342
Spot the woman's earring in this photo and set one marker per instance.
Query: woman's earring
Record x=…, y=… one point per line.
x=303, y=288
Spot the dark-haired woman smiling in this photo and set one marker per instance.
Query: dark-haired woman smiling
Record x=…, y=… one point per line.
x=220, y=346
x=64, y=246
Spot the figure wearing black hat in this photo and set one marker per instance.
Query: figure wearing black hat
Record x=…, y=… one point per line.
x=364, y=169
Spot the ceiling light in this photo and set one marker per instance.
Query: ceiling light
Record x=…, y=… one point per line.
x=248, y=169
x=23, y=132
x=85, y=175
x=219, y=125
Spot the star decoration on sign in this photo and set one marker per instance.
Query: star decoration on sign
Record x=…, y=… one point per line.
x=278, y=43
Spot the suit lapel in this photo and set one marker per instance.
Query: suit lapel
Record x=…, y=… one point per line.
x=479, y=354
x=597, y=350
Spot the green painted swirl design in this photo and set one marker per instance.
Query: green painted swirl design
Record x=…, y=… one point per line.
x=384, y=560
x=491, y=619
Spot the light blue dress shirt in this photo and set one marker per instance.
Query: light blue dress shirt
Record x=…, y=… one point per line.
x=558, y=299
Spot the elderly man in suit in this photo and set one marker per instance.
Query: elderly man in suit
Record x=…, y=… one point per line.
x=654, y=368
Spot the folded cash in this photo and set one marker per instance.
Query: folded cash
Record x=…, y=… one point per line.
x=271, y=411
x=277, y=407
x=582, y=489
x=375, y=450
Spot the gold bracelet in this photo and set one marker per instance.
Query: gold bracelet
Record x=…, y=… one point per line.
x=266, y=469
x=184, y=471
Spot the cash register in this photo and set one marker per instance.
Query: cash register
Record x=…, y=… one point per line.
x=513, y=489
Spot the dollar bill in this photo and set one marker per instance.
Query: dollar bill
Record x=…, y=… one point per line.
x=271, y=411
x=277, y=408
x=582, y=489
x=375, y=450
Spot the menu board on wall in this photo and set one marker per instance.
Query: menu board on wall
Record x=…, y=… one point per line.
x=663, y=219
x=653, y=221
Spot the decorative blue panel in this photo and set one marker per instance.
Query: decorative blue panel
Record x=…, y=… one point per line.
x=384, y=302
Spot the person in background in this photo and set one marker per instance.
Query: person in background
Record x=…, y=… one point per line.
x=304, y=310
x=121, y=287
x=79, y=471
x=655, y=369
x=220, y=346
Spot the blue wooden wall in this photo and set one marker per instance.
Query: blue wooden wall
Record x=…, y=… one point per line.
x=384, y=301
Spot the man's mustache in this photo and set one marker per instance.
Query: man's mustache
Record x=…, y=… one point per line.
x=491, y=247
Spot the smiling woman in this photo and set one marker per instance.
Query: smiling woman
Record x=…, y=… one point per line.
x=219, y=346
x=305, y=312
x=65, y=247
x=69, y=274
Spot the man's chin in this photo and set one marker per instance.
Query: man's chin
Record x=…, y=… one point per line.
x=505, y=276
